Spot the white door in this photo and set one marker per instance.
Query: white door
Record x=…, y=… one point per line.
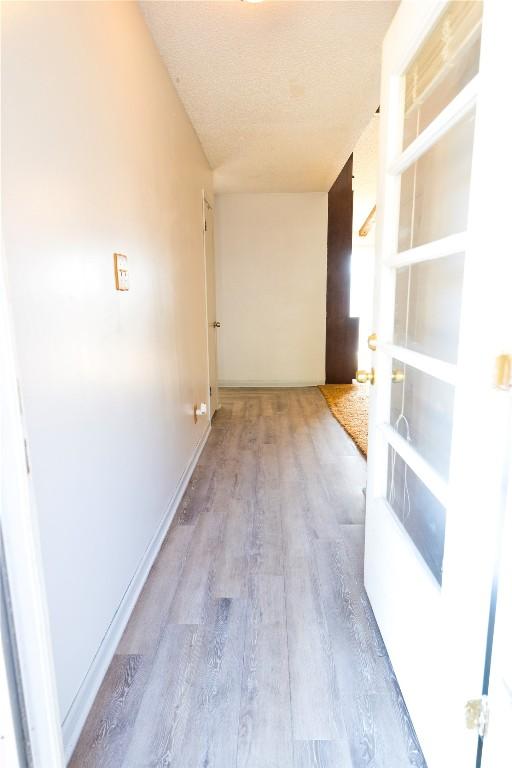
x=211, y=310
x=437, y=432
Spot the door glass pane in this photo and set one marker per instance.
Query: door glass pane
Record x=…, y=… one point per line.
x=422, y=516
x=427, y=307
x=446, y=62
x=434, y=191
x=421, y=411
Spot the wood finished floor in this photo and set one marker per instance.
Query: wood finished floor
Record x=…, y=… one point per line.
x=253, y=644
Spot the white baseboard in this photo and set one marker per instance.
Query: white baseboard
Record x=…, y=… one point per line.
x=264, y=384
x=83, y=701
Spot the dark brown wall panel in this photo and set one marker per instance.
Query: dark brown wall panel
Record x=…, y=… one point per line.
x=342, y=330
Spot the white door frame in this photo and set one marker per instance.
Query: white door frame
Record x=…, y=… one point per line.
x=494, y=748
x=496, y=121
x=9, y=755
x=206, y=207
x=23, y=561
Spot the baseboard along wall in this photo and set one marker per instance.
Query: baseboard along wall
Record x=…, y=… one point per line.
x=77, y=714
x=229, y=384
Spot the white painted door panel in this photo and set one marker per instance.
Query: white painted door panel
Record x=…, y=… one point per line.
x=436, y=442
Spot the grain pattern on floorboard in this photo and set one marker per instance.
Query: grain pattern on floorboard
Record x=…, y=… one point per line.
x=253, y=643
x=149, y=616
x=320, y=754
x=108, y=730
x=160, y=728
x=264, y=730
x=375, y=714
x=190, y=712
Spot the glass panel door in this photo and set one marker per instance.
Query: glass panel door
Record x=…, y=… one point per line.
x=428, y=299
x=435, y=189
x=433, y=205
x=430, y=502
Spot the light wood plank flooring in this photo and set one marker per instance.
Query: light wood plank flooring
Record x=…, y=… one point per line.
x=253, y=644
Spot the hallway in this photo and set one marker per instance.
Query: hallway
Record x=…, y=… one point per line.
x=253, y=642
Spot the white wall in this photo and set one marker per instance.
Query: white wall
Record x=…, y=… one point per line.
x=365, y=170
x=99, y=156
x=271, y=262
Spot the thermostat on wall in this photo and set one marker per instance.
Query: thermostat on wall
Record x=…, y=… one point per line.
x=121, y=272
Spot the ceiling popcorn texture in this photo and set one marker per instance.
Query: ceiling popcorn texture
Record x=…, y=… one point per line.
x=278, y=92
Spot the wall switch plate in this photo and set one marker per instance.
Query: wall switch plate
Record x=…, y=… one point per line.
x=121, y=272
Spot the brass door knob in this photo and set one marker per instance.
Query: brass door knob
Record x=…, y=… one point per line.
x=369, y=376
x=216, y=324
x=364, y=376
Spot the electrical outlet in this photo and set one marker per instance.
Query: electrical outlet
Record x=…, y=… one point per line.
x=200, y=410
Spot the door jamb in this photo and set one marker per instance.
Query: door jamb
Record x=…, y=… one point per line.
x=207, y=206
x=23, y=560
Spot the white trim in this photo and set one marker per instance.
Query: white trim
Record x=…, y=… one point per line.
x=433, y=481
x=431, y=365
x=437, y=249
x=23, y=561
x=463, y=102
x=83, y=701
x=207, y=206
x=257, y=384
x=9, y=755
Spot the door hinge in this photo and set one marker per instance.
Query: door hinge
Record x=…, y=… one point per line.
x=477, y=714
x=20, y=401
x=27, y=461
x=503, y=375
x=210, y=391
x=205, y=226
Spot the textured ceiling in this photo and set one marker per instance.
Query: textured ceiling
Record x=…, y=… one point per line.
x=278, y=92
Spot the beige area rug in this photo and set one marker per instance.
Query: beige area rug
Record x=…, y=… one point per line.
x=349, y=405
